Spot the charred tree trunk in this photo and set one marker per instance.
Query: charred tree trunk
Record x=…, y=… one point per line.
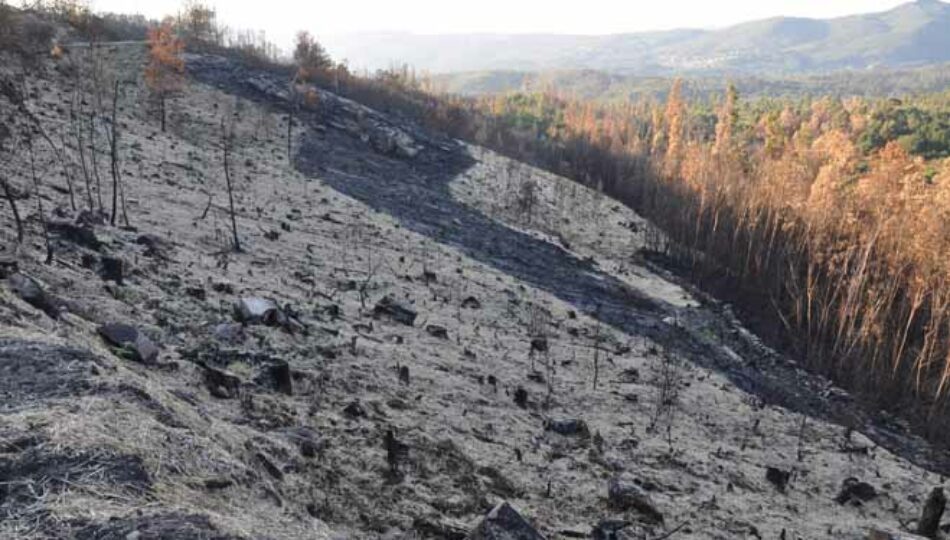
x=95, y=159
x=39, y=204
x=76, y=119
x=114, y=155
x=226, y=146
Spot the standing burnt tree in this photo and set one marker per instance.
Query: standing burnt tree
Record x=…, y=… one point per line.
x=165, y=72
x=227, y=147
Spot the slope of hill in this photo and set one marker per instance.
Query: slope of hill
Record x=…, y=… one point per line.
x=917, y=33
x=449, y=330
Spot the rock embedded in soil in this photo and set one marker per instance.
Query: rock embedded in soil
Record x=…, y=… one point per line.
x=355, y=410
x=778, y=478
x=607, y=529
x=232, y=333
x=279, y=376
x=625, y=494
x=8, y=266
x=855, y=491
x=504, y=523
x=571, y=427
x=387, y=307
x=437, y=331
x=221, y=384
x=521, y=397
x=81, y=235
x=111, y=269
x=257, y=310
x=128, y=337
x=471, y=303
x=31, y=292
x=198, y=293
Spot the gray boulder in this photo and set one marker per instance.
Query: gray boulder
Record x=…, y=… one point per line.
x=389, y=308
x=129, y=338
x=626, y=495
x=569, y=427
x=31, y=292
x=257, y=310
x=504, y=523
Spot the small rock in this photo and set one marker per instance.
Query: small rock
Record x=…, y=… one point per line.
x=569, y=427
x=280, y=373
x=778, y=478
x=8, y=266
x=437, y=331
x=232, y=333
x=215, y=484
x=221, y=384
x=856, y=491
x=222, y=287
x=471, y=303
x=404, y=374
x=608, y=529
x=355, y=410
x=625, y=494
x=539, y=344
x=504, y=523
x=521, y=397
x=129, y=338
x=390, y=308
x=198, y=293
x=111, y=269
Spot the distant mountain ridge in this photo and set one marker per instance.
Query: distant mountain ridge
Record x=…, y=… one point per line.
x=913, y=34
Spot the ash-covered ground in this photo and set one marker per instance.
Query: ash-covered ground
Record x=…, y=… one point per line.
x=415, y=331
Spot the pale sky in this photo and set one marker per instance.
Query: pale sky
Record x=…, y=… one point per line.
x=280, y=19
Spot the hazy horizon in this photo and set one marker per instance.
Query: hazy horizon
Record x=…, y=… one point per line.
x=283, y=18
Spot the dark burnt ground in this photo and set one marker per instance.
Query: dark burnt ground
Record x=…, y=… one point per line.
x=170, y=526
x=34, y=372
x=337, y=147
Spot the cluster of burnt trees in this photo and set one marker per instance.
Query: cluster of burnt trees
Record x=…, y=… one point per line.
x=93, y=104
x=821, y=225
x=87, y=148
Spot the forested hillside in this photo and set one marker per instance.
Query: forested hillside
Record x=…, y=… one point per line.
x=612, y=87
x=912, y=34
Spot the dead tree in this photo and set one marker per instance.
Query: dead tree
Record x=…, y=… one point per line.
x=94, y=159
x=39, y=202
x=114, y=154
x=227, y=140
x=75, y=119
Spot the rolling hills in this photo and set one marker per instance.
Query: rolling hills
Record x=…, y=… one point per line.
x=913, y=34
